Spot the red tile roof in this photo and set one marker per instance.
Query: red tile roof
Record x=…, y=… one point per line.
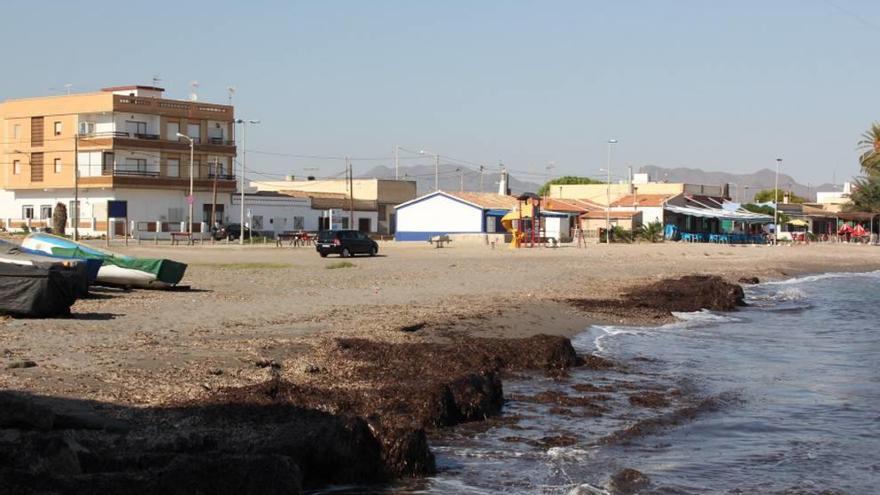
x=646, y=200
x=614, y=214
x=569, y=205
x=486, y=200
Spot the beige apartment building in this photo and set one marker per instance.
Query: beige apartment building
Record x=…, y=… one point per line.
x=123, y=142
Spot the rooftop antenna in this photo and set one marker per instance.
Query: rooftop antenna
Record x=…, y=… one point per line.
x=194, y=91
x=67, y=87
x=230, y=90
x=156, y=81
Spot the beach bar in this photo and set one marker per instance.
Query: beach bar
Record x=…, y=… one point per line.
x=726, y=225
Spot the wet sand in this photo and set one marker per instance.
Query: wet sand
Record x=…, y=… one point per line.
x=260, y=304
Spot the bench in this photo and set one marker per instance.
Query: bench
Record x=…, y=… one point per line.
x=438, y=240
x=280, y=238
x=177, y=236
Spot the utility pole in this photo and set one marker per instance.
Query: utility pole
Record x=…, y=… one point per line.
x=214, y=201
x=611, y=142
x=776, y=204
x=350, y=193
x=436, y=171
x=481, y=178
x=397, y=162
x=460, y=179
x=76, y=185
x=244, y=124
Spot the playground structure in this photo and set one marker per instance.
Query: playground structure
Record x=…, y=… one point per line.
x=524, y=222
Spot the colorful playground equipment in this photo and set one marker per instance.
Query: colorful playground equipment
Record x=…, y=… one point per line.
x=524, y=221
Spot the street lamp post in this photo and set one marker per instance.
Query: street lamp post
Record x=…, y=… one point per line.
x=776, y=204
x=244, y=124
x=611, y=142
x=436, y=168
x=191, y=199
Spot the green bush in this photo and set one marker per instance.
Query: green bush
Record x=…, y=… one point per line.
x=339, y=264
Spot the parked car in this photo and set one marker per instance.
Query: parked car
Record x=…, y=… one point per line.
x=232, y=232
x=345, y=243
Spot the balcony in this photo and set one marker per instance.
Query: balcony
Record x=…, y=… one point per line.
x=111, y=139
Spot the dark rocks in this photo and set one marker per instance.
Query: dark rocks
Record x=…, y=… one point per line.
x=649, y=399
x=660, y=299
x=21, y=364
x=690, y=293
x=627, y=481
x=749, y=280
x=276, y=436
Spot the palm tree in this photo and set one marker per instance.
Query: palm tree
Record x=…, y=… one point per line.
x=870, y=145
x=652, y=232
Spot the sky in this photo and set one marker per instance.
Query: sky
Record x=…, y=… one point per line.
x=726, y=86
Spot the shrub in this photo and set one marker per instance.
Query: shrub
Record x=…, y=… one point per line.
x=339, y=264
x=59, y=219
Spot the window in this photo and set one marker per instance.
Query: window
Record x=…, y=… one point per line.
x=16, y=167
x=27, y=211
x=58, y=165
x=73, y=211
x=134, y=165
x=108, y=162
x=299, y=223
x=37, y=131
x=36, y=167
x=46, y=212
x=135, y=128
x=57, y=128
x=86, y=128
x=173, y=167
x=194, y=131
x=171, y=130
x=16, y=132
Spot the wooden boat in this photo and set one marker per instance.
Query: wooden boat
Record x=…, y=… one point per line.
x=117, y=269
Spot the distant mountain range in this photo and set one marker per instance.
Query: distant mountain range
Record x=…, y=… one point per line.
x=747, y=184
x=742, y=186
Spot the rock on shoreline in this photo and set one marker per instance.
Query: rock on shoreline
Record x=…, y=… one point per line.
x=660, y=299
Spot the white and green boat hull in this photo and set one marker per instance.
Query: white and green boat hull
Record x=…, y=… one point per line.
x=117, y=269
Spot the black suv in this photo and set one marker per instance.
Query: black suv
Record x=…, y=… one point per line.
x=345, y=243
x=232, y=232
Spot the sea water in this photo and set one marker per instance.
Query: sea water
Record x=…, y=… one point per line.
x=780, y=397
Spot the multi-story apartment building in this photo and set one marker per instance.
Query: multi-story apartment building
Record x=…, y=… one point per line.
x=123, y=141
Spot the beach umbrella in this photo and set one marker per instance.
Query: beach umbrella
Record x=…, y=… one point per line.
x=859, y=231
x=845, y=229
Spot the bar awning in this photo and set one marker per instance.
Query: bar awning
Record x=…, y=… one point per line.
x=739, y=215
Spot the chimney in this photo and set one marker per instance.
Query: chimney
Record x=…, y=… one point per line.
x=503, y=187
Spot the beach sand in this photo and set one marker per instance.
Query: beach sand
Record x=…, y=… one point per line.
x=254, y=305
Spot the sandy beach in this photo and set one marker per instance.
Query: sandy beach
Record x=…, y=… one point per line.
x=261, y=304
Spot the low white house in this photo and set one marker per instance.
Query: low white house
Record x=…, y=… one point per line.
x=442, y=212
x=273, y=213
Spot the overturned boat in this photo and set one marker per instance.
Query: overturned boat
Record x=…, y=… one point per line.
x=37, y=291
x=117, y=269
x=81, y=272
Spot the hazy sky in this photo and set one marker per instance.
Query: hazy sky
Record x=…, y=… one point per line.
x=715, y=85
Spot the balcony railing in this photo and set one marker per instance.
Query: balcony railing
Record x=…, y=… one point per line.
x=152, y=137
x=202, y=172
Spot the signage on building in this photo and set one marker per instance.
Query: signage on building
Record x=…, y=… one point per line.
x=117, y=209
x=335, y=215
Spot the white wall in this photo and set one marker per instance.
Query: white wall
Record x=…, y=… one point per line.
x=281, y=211
x=439, y=214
